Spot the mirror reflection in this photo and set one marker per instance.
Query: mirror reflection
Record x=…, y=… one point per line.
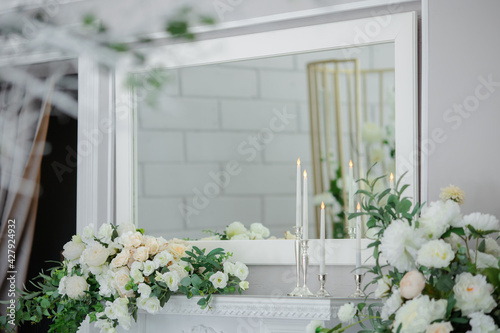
x=221, y=142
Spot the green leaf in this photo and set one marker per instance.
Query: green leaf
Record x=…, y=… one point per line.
x=202, y=302
x=215, y=252
x=450, y=305
x=186, y=281
x=458, y=231
x=196, y=281
x=445, y=283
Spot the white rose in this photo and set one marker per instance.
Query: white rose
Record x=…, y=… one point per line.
x=229, y=267
x=313, y=325
x=172, y=280
x=144, y=290
x=435, y=254
x=62, y=286
x=473, y=294
x=121, y=259
x=72, y=250
x=481, y=323
x=443, y=327
x=95, y=254
x=384, y=285
x=125, y=322
x=245, y=236
x=210, y=238
x=492, y=247
x=105, y=232
x=149, y=267
x=391, y=305
x=481, y=222
x=163, y=244
x=347, y=312
x=136, y=275
x=244, y=285
x=106, y=284
x=240, y=270
x=120, y=280
x=152, y=305
x=181, y=270
x=235, y=228
x=438, y=217
x=260, y=229
x=219, y=280
x=124, y=228
x=88, y=233
x=109, y=311
x=141, y=254
x=412, y=284
x=163, y=258
x=131, y=239
x=177, y=248
x=106, y=326
x=416, y=314
x=152, y=245
x=75, y=287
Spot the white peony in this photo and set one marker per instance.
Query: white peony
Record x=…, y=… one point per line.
x=384, y=286
x=75, y=287
x=150, y=304
x=172, y=280
x=105, y=232
x=412, y=284
x=244, y=285
x=371, y=133
x=484, y=260
x=481, y=222
x=455, y=241
x=124, y=228
x=162, y=259
x=442, y=327
x=228, y=267
x=473, y=294
x=149, y=267
x=260, y=229
x=492, y=247
x=245, y=236
x=392, y=304
x=417, y=314
x=400, y=243
x=73, y=250
x=481, y=323
x=435, y=254
x=95, y=254
x=88, y=234
x=240, y=270
x=313, y=325
x=438, y=217
x=347, y=312
x=219, y=280
x=235, y=228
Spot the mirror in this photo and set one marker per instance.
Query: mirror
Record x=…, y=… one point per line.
x=213, y=117
x=219, y=143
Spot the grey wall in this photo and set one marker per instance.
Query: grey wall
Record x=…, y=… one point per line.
x=464, y=50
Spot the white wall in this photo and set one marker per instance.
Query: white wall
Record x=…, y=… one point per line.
x=464, y=51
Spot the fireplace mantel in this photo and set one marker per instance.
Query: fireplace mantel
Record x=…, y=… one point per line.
x=241, y=314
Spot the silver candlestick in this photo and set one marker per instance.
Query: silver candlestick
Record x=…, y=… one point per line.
x=322, y=291
x=358, y=293
x=298, y=259
x=304, y=292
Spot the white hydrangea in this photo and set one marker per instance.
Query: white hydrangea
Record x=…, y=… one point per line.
x=435, y=254
x=417, y=314
x=105, y=281
x=392, y=304
x=347, y=312
x=235, y=228
x=244, y=236
x=438, y=217
x=481, y=323
x=481, y=222
x=400, y=243
x=473, y=294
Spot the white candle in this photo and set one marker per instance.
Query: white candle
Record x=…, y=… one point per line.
x=391, y=181
x=358, y=241
x=299, y=193
x=305, y=219
x=350, y=186
x=322, y=241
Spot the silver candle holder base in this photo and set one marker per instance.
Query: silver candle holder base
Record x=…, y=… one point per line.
x=322, y=291
x=351, y=232
x=305, y=292
x=298, y=259
x=359, y=292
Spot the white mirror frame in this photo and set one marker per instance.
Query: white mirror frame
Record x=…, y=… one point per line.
x=401, y=29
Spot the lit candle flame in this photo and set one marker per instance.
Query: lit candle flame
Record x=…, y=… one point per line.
x=298, y=162
x=350, y=163
x=305, y=174
x=391, y=177
x=322, y=205
x=359, y=207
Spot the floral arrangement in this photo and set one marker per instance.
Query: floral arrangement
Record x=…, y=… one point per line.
x=435, y=269
x=113, y=274
x=238, y=231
